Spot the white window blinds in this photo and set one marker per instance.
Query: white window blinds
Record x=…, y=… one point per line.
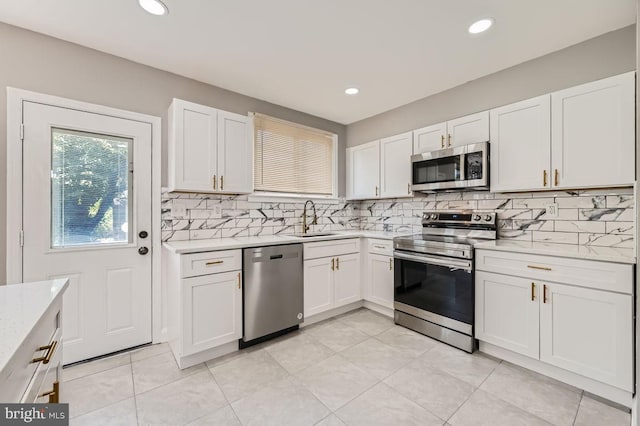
x=291, y=158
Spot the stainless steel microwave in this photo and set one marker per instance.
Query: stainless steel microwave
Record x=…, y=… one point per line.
x=459, y=167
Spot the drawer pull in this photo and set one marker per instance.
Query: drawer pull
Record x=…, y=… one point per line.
x=380, y=247
x=542, y=268
x=51, y=348
x=337, y=263
x=53, y=394
x=214, y=262
x=333, y=264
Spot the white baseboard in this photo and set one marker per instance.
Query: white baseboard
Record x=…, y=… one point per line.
x=200, y=357
x=332, y=313
x=388, y=312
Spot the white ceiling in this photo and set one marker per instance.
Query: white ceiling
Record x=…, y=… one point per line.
x=303, y=54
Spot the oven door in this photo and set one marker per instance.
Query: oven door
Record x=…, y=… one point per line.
x=436, y=289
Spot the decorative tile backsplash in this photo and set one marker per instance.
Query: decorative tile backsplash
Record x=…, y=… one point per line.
x=590, y=217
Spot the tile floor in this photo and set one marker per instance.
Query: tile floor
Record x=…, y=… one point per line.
x=358, y=368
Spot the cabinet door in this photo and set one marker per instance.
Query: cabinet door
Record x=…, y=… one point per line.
x=395, y=166
x=507, y=312
x=380, y=280
x=347, y=280
x=589, y=332
x=472, y=128
x=192, y=147
x=363, y=171
x=429, y=138
x=212, y=311
x=521, y=145
x=593, y=134
x=318, y=286
x=235, y=154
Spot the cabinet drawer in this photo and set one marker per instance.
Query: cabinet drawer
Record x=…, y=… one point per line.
x=331, y=248
x=380, y=246
x=584, y=273
x=211, y=262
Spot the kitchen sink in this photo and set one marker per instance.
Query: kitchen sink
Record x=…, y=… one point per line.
x=314, y=234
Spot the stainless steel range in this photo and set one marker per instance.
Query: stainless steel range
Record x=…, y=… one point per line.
x=433, y=278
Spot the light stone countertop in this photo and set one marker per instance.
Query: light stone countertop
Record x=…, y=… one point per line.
x=604, y=254
x=195, y=246
x=21, y=307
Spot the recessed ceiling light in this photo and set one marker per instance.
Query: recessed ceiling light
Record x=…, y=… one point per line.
x=154, y=7
x=352, y=91
x=480, y=26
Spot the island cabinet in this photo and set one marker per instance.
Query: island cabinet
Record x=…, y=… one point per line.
x=573, y=314
x=210, y=150
x=205, y=304
x=331, y=275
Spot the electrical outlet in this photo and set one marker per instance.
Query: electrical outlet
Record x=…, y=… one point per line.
x=179, y=209
x=552, y=211
x=217, y=211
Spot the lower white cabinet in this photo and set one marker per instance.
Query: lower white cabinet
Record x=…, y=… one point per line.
x=318, y=286
x=380, y=279
x=576, y=326
x=346, y=278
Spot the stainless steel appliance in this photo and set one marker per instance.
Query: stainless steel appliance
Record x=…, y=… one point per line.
x=460, y=167
x=272, y=295
x=433, y=277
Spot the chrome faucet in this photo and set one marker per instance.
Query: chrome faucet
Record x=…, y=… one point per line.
x=306, y=227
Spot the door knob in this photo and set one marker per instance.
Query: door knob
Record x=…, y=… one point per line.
x=143, y=250
x=143, y=234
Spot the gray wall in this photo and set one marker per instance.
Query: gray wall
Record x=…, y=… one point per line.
x=44, y=64
x=603, y=56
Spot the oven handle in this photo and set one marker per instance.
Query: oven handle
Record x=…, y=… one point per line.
x=451, y=263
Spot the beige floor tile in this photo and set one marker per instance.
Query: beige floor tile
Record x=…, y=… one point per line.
x=433, y=389
x=98, y=390
x=542, y=396
x=226, y=358
x=285, y=402
x=381, y=405
x=149, y=351
x=407, y=340
x=331, y=420
x=377, y=358
x=336, y=381
x=158, y=370
x=484, y=409
x=180, y=402
x=337, y=335
x=596, y=413
x=472, y=368
x=298, y=353
x=92, y=367
x=367, y=321
x=248, y=374
x=121, y=413
x=225, y=416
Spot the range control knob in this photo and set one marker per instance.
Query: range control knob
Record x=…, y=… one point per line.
x=488, y=218
x=476, y=217
x=433, y=216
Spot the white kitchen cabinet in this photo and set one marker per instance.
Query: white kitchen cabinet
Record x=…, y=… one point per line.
x=363, y=171
x=395, y=166
x=507, y=312
x=380, y=279
x=521, y=145
x=589, y=332
x=318, y=286
x=593, y=134
x=209, y=150
x=465, y=130
x=347, y=287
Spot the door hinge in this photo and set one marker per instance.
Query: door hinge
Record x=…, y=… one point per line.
x=21, y=238
x=21, y=131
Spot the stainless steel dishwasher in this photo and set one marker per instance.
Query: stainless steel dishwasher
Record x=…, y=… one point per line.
x=273, y=287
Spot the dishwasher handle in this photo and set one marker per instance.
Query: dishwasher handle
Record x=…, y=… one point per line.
x=259, y=257
x=275, y=256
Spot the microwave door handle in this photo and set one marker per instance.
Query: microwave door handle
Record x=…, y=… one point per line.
x=463, y=158
x=450, y=263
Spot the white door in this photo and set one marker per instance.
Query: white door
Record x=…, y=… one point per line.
x=507, y=312
x=430, y=138
x=589, y=332
x=395, y=166
x=593, y=133
x=472, y=128
x=363, y=171
x=521, y=145
x=235, y=154
x=87, y=216
x=380, y=279
x=318, y=285
x=347, y=280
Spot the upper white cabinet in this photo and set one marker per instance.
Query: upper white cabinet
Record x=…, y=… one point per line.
x=209, y=150
x=380, y=169
x=465, y=130
x=593, y=133
x=521, y=145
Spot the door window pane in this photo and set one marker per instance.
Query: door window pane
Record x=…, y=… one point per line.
x=91, y=188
